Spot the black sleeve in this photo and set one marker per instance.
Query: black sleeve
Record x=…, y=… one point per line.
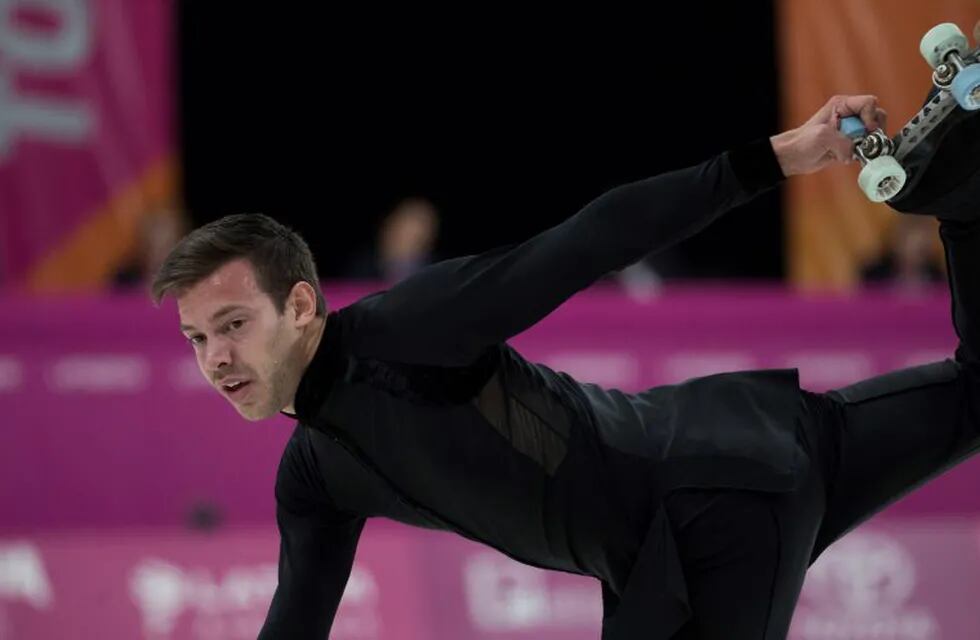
x=315, y=557
x=450, y=312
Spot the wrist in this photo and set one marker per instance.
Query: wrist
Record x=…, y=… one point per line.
x=755, y=166
x=782, y=147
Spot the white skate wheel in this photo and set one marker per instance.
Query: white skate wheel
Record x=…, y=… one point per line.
x=940, y=40
x=882, y=178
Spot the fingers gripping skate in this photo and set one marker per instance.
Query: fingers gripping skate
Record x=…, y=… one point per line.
x=881, y=175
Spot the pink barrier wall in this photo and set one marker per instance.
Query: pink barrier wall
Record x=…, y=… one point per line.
x=110, y=437
x=900, y=580
x=107, y=421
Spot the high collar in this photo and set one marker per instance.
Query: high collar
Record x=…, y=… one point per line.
x=326, y=366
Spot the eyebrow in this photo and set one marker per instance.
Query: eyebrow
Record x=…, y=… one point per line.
x=228, y=308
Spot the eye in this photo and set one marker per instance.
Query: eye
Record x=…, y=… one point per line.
x=235, y=324
x=196, y=339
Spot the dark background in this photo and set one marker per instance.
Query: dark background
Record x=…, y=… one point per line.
x=508, y=122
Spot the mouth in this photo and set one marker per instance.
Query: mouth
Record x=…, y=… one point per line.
x=236, y=390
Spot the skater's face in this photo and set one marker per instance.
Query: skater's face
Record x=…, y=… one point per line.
x=246, y=349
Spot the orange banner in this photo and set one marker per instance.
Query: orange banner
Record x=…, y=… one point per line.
x=87, y=159
x=827, y=47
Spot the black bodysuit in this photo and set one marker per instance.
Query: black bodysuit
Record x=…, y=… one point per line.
x=416, y=409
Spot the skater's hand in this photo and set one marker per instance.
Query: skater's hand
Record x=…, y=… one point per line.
x=819, y=142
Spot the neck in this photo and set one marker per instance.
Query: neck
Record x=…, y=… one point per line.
x=309, y=348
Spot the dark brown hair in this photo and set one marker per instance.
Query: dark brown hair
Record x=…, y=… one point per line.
x=280, y=257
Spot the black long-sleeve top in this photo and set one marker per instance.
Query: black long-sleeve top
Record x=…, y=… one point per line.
x=415, y=408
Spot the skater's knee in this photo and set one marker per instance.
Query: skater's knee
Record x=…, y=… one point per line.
x=966, y=356
x=970, y=373
x=968, y=389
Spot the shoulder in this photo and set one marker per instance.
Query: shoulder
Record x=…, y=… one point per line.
x=363, y=320
x=302, y=496
x=299, y=486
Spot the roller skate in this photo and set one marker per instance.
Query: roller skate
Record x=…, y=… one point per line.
x=931, y=166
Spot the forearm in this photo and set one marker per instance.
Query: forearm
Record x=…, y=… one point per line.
x=316, y=552
x=291, y=616
x=448, y=313
x=636, y=219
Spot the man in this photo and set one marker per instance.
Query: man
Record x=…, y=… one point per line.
x=697, y=506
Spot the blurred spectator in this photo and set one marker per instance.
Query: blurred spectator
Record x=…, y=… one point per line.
x=405, y=243
x=157, y=233
x=912, y=257
x=640, y=281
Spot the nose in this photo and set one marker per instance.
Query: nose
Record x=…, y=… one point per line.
x=217, y=356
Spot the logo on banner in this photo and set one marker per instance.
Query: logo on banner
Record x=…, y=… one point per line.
x=606, y=368
x=11, y=374
x=185, y=375
x=694, y=364
x=359, y=616
x=99, y=373
x=503, y=595
x=235, y=605
x=228, y=608
x=828, y=369
x=43, y=52
x=862, y=587
x=22, y=576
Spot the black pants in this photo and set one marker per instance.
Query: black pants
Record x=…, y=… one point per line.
x=745, y=554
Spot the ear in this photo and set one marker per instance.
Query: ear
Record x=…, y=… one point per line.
x=302, y=303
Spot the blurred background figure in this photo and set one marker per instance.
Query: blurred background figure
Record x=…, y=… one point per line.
x=405, y=242
x=912, y=258
x=645, y=279
x=157, y=233
x=640, y=281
